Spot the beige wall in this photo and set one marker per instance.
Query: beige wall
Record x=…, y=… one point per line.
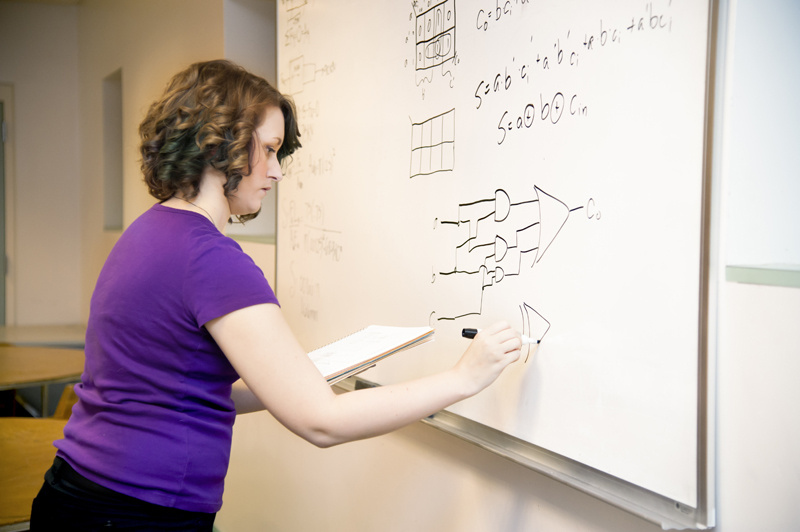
x=54, y=59
x=149, y=40
x=39, y=59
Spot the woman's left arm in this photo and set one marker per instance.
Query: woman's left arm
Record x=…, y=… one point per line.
x=264, y=351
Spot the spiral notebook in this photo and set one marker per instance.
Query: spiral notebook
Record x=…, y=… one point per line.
x=363, y=349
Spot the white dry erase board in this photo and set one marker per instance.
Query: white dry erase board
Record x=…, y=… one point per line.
x=535, y=161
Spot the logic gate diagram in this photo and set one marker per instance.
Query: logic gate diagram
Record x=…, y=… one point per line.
x=494, y=239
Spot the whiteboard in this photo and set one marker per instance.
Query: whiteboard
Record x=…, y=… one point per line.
x=539, y=162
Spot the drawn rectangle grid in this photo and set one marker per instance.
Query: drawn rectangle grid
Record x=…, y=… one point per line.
x=433, y=144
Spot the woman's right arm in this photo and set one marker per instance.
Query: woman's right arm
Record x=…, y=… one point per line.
x=264, y=351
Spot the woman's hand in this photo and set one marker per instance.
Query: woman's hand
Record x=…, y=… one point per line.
x=490, y=352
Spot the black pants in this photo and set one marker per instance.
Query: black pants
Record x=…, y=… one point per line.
x=70, y=502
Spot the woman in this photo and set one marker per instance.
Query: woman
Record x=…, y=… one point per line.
x=180, y=313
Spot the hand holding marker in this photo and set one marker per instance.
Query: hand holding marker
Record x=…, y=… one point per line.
x=470, y=333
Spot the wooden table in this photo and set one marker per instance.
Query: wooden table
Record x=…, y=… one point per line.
x=26, y=366
x=26, y=453
x=44, y=335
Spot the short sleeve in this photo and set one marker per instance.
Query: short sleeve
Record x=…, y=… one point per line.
x=221, y=279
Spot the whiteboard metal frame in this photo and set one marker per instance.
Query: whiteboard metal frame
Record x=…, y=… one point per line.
x=627, y=496
x=644, y=503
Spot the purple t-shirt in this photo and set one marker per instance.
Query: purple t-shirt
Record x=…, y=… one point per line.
x=155, y=414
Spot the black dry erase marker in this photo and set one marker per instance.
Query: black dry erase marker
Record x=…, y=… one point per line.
x=469, y=333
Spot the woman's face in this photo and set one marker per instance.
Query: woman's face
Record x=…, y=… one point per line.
x=264, y=166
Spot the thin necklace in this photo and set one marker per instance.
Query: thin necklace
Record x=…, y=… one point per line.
x=199, y=207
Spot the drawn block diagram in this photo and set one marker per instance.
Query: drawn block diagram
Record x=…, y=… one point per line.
x=299, y=74
x=495, y=239
x=433, y=144
x=436, y=35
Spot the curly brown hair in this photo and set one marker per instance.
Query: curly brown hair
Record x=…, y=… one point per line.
x=207, y=116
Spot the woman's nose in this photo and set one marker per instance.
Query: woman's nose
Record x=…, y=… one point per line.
x=276, y=172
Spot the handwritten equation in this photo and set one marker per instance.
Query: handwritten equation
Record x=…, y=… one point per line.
x=566, y=51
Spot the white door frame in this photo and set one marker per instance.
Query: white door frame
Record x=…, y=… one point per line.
x=7, y=97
